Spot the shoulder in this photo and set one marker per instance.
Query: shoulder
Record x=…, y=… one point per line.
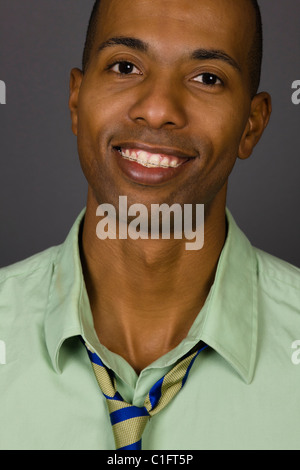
x=24, y=286
x=278, y=285
x=27, y=268
x=277, y=270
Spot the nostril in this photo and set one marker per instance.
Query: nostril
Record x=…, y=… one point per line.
x=158, y=107
x=155, y=124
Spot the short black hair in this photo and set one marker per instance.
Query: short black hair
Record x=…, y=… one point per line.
x=256, y=51
x=90, y=35
x=255, y=55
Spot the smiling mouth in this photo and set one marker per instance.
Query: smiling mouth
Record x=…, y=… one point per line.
x=151, y=160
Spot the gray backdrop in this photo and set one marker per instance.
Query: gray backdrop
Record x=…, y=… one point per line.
x=42, y=188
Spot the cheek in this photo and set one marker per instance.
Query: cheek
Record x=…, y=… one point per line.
x=91, y=123
x=219, y=131
x=101, y=113
x=98, y=116
x=225, y=125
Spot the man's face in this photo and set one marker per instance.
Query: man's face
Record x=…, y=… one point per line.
x=164, y=105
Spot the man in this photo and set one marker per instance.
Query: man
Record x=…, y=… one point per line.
x=166, y=102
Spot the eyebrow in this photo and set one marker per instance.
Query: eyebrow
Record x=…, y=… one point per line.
x=132, y=43
x=198, y=54
x=211, y=54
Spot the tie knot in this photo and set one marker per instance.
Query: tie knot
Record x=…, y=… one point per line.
x=126, y=412
x=129, y=421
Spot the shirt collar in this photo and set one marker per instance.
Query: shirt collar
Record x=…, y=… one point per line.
x=227, y=323
x=230, y=325
x=62, y=319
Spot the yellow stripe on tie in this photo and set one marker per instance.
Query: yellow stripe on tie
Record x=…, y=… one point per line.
x=172, y=383
x=130, y=431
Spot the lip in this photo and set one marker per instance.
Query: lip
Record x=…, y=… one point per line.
x=150, y=176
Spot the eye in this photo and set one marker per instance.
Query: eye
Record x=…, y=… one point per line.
x=208, y=79
x=124, y=68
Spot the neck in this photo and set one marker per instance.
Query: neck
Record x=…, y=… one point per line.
x=146, y=294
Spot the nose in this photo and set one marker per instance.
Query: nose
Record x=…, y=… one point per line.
x=159, y=103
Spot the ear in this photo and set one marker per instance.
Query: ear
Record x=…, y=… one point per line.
x=76, y=76
x=260, y=112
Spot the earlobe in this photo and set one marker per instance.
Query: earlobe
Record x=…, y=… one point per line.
x=76, y=76
x=261, y=108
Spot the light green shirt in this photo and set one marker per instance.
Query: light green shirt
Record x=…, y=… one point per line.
x=242, y=392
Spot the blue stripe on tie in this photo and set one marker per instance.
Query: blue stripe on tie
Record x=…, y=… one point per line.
x=116, y=396
x=135, y=446
x=155, y=392
x=190, y=365
x=95, y=358
x=127, y=413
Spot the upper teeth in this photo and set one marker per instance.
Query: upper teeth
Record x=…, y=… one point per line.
x=150, y=159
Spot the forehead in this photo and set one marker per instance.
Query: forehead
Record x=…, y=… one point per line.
x=179, y=25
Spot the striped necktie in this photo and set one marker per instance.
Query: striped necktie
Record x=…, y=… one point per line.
x=129, y=421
